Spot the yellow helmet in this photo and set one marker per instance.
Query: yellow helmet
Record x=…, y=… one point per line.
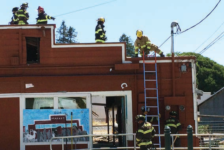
x=139, y=33
x=101, y=19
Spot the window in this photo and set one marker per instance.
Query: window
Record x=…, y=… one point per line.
x=40, y=103
x=32, y=49
x=71, y=102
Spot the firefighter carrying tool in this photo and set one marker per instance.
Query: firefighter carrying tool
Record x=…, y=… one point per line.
x=42, y=16
x=175, y=126
x=144, y=133
x=144, y=44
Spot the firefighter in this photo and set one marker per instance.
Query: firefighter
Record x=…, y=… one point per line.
x=42, y=16
x=14, y=19
x=100, y=33
x=175, y=126
x=144, y=133
x=145, y=112
x=22, y=14
x=144, y=44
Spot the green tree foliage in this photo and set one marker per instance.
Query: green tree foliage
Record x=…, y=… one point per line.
x=129, y=45
x=210, y=75
x=71, y=35
x=66, y=34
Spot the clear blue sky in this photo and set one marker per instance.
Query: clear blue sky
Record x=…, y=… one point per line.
x=126, y=16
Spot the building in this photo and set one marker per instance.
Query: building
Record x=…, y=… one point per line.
x=212, y=113
x=101, y=84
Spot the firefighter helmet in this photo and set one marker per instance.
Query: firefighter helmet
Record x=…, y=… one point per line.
x=173, y=113
x=101, y=19
x=139, y=33
x=40, y=8
x=24, y=5
x=15, y=8
x=140, y=117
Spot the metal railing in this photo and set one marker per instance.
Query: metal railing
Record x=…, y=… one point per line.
x=206, y=141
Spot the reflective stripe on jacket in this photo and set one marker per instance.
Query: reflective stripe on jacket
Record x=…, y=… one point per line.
x=22, y=14
x=174, y=125
x=100, y=33
x=142, y=43
x=144, y=134
x=42, y=18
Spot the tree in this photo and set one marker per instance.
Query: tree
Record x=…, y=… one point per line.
x=129, y=46
x=210, y=75
x=71, y=35
x=66, y=35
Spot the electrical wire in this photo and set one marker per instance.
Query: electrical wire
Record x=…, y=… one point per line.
x=85, y=8
x=220, y=36
x=209, y=37
x=165, y=41
x=202, y=19
x=193, y=25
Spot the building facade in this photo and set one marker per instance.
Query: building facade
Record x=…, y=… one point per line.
x=93, y=86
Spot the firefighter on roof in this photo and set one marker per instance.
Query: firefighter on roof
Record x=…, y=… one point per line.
x=100, y=33
x=175, y=126
x=14, y=19
x=144, y=44
x=42, y=16
x=22, y=14
x=144, y=133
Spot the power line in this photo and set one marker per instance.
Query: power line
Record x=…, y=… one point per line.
x=220, y=36
x=193, y=25
x=85, y=8
x=209, y=37
x=165, y=41
x=202, y=19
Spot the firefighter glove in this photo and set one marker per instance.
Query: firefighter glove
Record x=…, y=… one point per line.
x=52, y=18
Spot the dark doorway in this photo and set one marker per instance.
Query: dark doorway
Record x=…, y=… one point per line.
x=109, y=118
x=32, y=50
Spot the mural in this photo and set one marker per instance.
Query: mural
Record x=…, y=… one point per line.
x=40, y=125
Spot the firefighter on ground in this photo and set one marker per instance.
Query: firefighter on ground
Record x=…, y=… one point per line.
x=144, y=44
x=144, y=133
x=100, y=33
x=175, y=126
x=22, y=14
x=42, y=16
x=14, y=19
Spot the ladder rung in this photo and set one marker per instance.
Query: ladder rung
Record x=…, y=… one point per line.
x=152, y=106
x=150, y=80
x=156, y=144
x=151, y=88
x=151, y=97
x=150, y=71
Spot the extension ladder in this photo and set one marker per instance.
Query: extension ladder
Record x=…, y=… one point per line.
x=151, y=98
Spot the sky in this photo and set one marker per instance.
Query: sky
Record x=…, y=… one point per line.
x=154, y=17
